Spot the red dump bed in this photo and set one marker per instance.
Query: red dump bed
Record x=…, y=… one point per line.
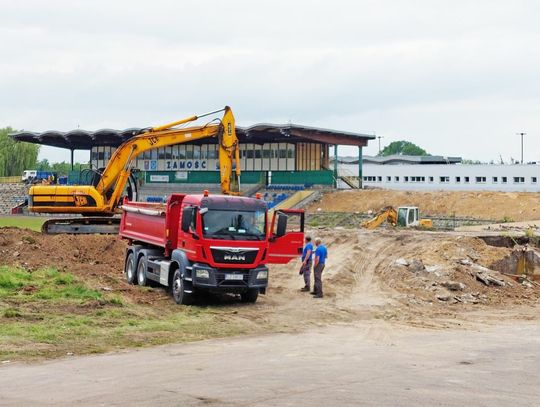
x=152, y=223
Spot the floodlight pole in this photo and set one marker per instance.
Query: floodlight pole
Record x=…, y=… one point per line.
x=380, y=137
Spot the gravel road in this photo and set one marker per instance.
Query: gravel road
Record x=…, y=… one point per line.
x=372, y=364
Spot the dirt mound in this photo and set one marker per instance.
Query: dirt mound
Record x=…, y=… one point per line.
x=98, y=259
x=497, y=206
x=395, y=274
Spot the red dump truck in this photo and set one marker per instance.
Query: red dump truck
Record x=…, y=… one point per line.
x=213, y=243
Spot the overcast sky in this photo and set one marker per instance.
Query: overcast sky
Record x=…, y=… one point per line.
x=458, y=78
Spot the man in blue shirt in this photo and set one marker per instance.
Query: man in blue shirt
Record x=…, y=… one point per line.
x=305, y=268
x=320, y=259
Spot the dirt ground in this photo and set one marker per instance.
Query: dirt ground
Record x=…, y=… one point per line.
x=496, y=206
x=419, y=278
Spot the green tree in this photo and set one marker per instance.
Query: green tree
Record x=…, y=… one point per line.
x=15, y=157
x=402, y=147
x=62, y=168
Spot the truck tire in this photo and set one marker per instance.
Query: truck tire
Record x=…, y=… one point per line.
x=178, y=290
x=250, y=295
x=141, y=271
x=129, y=269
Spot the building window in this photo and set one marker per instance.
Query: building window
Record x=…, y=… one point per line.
x=444, y=179
x=370, y=179
x=533, y=180
x=379, y=179
x=182, y=152
x=213, y=152
x=396, y=179
x=458, y=180
x=519, y=180
x=94, y=154
x=495, y=180
x=388, y=179
x=406, y=179
x=431, y=179
x=290, y=151
x=480, y=180
x=466, y=180
x=504, y=180
x=418, y=179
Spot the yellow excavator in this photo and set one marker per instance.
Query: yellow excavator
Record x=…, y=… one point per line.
x=98, y=203
x=405, y=216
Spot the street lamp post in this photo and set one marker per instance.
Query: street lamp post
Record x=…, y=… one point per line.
x=521, y=134
x=380, y=137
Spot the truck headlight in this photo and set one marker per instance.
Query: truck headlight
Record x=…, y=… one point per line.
x=262, y=275
x=202, y=274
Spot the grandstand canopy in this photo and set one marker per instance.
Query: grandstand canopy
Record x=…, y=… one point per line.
x=259, y=133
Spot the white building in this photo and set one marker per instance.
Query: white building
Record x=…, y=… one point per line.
x=424, y=176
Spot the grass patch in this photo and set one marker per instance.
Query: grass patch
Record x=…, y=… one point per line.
x=43, y=284
x=48, y=313
x=22, y=222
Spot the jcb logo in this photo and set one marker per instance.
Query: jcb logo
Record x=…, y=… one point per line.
x=80, y=200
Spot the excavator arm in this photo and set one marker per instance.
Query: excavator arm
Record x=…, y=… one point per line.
x=103, y=197
x=118, y=169
x=386, y=214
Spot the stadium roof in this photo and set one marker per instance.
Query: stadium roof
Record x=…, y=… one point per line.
x=259, y=133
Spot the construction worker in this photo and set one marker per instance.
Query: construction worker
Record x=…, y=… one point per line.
x=305, y=268
x=320, y=259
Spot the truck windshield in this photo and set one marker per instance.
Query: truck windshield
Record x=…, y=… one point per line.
x=236, y=225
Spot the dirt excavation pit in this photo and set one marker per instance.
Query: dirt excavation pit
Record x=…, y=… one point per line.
x=402, y=275
x=523, y=262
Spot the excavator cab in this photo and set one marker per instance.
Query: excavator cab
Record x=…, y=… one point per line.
x=408, y=216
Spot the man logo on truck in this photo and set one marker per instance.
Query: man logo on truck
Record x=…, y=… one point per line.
x=241, y=257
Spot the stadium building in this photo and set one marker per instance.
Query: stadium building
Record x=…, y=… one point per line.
x=270, y=156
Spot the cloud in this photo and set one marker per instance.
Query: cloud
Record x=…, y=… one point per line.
x=457, y=77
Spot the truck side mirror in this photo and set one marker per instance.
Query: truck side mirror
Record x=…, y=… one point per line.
x=281, y=228
x=186, y=219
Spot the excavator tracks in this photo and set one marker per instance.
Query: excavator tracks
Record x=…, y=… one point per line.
x=81, y=226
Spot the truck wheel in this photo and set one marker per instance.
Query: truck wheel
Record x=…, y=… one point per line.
x=250, y=295
x=179, y=290
x=141, y=271
x=129, y=269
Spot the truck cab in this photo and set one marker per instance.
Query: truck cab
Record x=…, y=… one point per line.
x=213, y=243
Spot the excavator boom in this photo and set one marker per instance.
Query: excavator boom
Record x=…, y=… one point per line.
x=386, y=214
x=102, y=198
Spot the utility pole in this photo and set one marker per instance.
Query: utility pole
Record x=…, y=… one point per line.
x=521, y=134
x=380, y=137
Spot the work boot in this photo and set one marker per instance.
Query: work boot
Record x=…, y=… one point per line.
x=313, y=293
x=304, y=289
x=318, y=296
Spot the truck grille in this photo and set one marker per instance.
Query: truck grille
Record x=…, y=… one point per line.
x=233, y=255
